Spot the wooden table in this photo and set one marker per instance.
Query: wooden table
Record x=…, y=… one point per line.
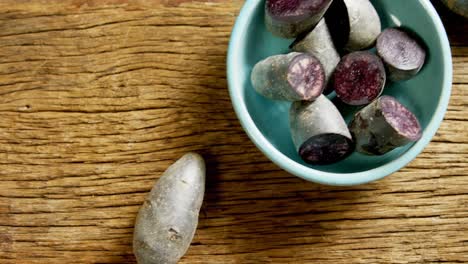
x=98, y=98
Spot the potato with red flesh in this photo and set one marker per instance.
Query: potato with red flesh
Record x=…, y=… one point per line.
x=319, y=43
x=383, y=126
x=319, y=132
x=291, y=77
x=359, y=78
x=402, y=53
x=290, y=18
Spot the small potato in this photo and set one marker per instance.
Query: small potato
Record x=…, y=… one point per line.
x=319, y=43
x=167, y=221
x=402, y=53
x=359, y=78
x=319, y=132
x=384, y=125
x=289, y=19
x=354, y=24
x=289, y=77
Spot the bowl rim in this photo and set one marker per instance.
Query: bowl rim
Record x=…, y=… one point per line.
x=314, y=175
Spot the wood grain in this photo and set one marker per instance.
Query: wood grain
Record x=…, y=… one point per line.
x=98, y=98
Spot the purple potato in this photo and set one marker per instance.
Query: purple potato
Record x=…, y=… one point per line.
x=168, y=219
x=354, y=24
x=291, y=77
x=401, y=52
x=383, y=126
x=359, y=78
x=319, y=132
x=319, y=43
x=290, y=18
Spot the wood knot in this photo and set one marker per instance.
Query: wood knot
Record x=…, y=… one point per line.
x=25, y=108
x=6, y=242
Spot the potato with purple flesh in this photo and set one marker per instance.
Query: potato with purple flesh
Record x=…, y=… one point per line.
x=319, y=132
x=359, y=78
x=290, y=18
x=291, y=77
x=167, y=221
x=458, y=6
x=401, y=52
x=354, y=24
x=383, y=126
x=319, y=43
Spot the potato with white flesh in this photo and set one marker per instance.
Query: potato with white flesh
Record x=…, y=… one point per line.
x=401, y=52
x=319, y=43
x=167, y=221
x=291, y=77
x=354, y=24
x=383, y=126
x=289, y=19
x=319, y=132
x=359, y=78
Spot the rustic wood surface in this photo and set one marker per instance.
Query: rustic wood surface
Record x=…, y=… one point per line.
x=98, y=98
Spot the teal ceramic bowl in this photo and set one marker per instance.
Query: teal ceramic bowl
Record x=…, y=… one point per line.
x=267, y=123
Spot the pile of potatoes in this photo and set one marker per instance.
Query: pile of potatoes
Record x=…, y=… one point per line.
x=332, y=53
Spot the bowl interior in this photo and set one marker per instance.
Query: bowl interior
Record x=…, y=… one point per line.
x=421, y=94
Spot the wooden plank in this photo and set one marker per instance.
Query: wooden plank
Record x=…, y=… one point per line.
x=99, y=97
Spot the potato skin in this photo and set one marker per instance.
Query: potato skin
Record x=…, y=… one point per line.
x=319, y=121
x=373, y=132
x=365, y=25
x=319, y=43
x=270, y=77
x=167, y=221
x=354, y=24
